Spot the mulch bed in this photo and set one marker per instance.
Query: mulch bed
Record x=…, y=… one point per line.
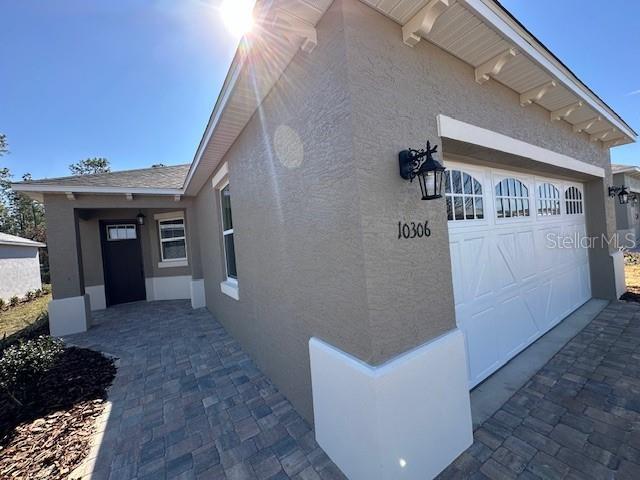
x=49, y=436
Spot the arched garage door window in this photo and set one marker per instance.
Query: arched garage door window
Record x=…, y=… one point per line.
x=464, y=196
x=573, y=199
x=548, y=200
x=512, y=199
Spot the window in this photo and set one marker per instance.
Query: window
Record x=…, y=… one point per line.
x=548, y=200
x=464, y=196
x=512, y=199
x=121, y=232
x=173, y=241
x=227, y=233
x=573, y=200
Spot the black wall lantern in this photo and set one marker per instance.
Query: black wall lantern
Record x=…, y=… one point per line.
x=140, y=218
x=622, y=192
x=421, y=164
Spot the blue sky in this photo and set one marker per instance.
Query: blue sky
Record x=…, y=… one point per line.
x=135, y=80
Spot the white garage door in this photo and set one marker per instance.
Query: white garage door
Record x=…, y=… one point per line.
x=517, y=267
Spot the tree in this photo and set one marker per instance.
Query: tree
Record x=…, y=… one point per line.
x=3, y=144
x=90, y=166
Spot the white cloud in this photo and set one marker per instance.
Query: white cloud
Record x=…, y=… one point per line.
x=635, y=92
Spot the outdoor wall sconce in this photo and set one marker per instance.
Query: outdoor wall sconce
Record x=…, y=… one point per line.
x=140, y=218
x=622, y=192
x=421, y=164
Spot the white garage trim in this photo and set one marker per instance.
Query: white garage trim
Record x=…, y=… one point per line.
x=465, y=132
x=407, y=419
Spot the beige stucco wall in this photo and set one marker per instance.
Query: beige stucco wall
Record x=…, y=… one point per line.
x=19, y=270
x=397, y=93
x=297, y=228
x=89, y=210
x=316, y=244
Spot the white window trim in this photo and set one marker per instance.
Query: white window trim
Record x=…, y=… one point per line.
x=229, y=286
x=498, y=177
x=480, y=179
x=174, y=262
x=121, y=225
x=541, y=182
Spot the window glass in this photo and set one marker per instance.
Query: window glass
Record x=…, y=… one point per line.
x=173, y=240
x=512, y=198
x=548, y=200
x=463, y=195
x=573, y=201
x=227, y=233
x=121, y=232
x=225, y=196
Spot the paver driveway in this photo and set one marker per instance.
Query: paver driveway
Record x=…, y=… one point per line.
x=188, y=403
x=577, y=418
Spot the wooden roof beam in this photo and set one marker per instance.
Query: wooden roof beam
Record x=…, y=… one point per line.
x=564, y=112
x=536, y=94
x=493, y=67
x=422, y=22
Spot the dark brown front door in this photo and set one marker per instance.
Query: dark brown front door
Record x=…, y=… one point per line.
x=122, y=261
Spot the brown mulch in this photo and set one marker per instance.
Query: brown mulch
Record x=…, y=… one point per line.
x=49, y=436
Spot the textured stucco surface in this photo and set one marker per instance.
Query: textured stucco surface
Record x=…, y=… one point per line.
x=19, y=271
x=296, y=223
x=317, y=198
x=89, y=210
x=396, y=94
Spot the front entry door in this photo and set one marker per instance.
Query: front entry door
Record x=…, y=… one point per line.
x=122, y=261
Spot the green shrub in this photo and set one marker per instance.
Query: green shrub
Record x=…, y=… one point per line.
x=13, y=301
x=2, y=304
x=30, y=295
x=24, y=364
x=38, y=292
x=46, y=288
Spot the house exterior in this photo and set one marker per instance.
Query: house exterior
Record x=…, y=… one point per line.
x=374, y=311
x=628, y=214
x=19, y=266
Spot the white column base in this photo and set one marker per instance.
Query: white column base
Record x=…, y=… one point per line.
x=97, y=298
x=618, y=271
x=69, y=315
x=197, y=293
x=168, y=288
x=406, y=419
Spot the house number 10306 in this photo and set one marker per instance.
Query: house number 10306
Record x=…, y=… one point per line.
x=413, y=229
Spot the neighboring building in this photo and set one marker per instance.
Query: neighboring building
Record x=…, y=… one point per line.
x=288, y=225
x=628, y=214
x=19, y=266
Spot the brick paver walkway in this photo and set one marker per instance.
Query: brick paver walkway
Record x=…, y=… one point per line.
x=578, y=417
x=188, y=403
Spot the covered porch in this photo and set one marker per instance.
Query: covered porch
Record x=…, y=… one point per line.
x=108, y=250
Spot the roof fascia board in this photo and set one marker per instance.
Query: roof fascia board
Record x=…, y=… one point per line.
x=465, y=132
x=228, y=88
x=22, y=244
x=499, y=22
x=48, y=188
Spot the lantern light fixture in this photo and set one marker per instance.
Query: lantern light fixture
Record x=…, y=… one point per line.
x=140, y=218
x=421, y=164
x=622, y=192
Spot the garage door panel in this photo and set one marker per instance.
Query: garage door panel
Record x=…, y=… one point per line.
x=510, y=285
x=482, y=357
x=515, y=326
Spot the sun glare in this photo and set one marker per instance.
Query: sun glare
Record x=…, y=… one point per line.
x=237, y=15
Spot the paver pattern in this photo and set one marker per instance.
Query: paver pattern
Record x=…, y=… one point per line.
x=577, y=418
x=188, y=403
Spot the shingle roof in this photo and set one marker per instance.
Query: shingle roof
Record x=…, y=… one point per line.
x=155, y=177
x=6, y=239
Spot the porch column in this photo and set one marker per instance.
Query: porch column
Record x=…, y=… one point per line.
x=197, y=282
x=69, y=311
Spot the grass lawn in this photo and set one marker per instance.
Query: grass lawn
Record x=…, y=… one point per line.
x=23, y=315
